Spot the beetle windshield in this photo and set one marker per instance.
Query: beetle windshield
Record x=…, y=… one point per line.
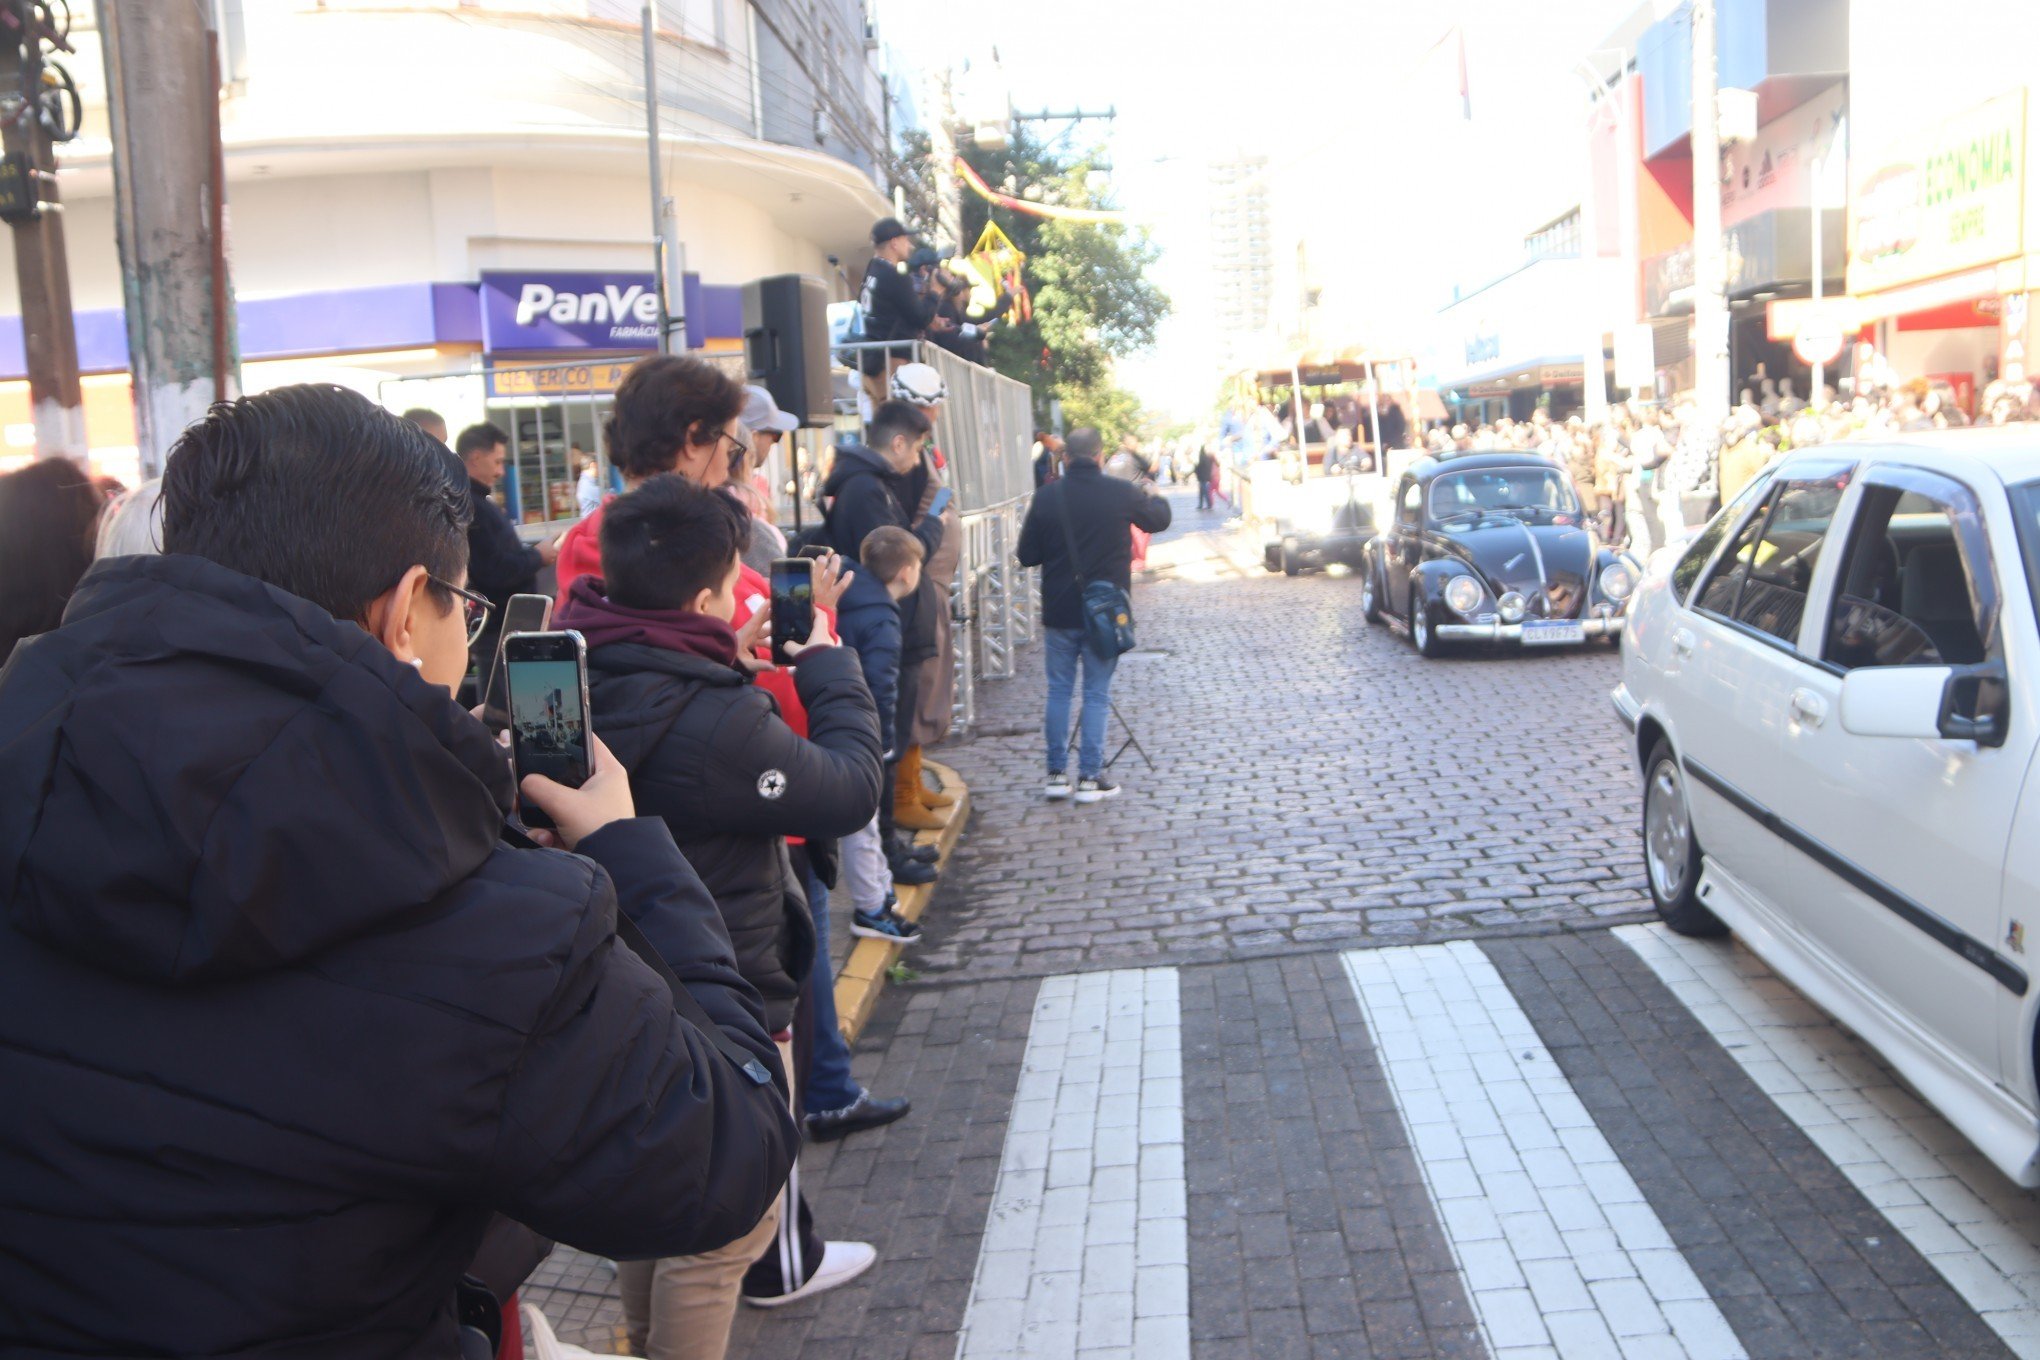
x=1521, y=492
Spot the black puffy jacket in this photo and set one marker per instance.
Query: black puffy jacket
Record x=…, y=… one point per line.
x=708, y=751
x=282, y=1021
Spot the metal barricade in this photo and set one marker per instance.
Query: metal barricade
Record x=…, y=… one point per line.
x=986, y=432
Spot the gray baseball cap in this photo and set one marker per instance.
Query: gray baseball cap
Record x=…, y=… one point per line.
x=762, y=413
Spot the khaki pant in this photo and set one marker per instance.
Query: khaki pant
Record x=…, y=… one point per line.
x=681, y=1308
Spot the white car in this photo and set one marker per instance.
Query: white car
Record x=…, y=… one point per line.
x=1835, y=693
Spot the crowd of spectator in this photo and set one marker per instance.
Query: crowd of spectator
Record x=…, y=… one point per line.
x=285, y=954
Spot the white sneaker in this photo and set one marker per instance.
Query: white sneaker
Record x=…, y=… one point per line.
x=1096, y=790
x=1058, y=787
x=842, y=1262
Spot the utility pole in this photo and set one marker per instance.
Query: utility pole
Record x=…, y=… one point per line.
x=669, y=256
x=169, y=196
x=1710, y=271
x=28, y=190
x=942, y=148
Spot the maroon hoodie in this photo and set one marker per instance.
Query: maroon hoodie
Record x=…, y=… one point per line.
x=602, y=621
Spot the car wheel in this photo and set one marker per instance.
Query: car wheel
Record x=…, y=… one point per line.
x=1290, y=565
x=1427, y=643
x=1671, y=852
x=1370, y=597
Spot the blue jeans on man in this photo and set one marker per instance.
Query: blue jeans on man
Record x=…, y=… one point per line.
x=1066, y=651
x=830, y=1085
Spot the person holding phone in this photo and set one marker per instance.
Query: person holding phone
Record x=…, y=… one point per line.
x=307, y=1017
x=708, y=751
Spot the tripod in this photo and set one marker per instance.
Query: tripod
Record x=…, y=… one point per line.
x=1131, y=740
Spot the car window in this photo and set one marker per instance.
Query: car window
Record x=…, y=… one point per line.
x=1688, y=568
x=1412, y=501
x=1908, y=593
x=1762, y=580
x=1529, y=490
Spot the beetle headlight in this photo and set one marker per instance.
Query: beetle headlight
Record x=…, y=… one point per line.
x=1463, y=594
x=1513, y=607
x=1617, y=581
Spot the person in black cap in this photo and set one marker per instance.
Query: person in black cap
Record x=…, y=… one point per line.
x=894, y=309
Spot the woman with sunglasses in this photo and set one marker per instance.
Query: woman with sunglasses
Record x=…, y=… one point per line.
x=295, y=1017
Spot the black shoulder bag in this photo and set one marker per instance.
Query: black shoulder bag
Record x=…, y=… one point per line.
x=1108, y=614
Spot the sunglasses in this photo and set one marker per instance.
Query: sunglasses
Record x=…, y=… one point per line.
x=740, y=451
x=475, y=607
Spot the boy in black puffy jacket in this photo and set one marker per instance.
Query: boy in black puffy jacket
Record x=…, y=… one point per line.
x=708, y=751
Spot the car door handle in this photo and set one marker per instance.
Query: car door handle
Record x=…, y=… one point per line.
x=1808, y=707
x=1683, y=642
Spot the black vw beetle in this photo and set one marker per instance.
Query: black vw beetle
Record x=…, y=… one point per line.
x=1493, y=547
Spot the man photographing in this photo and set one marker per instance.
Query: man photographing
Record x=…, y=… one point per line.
x=1079, y=528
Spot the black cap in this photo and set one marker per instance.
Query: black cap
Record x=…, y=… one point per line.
x=886, y=229
x=924, y=257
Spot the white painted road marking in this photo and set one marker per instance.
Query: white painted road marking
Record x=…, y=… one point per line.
x=1970, y=1223
x=1561, y=1254
x=1087, y=1247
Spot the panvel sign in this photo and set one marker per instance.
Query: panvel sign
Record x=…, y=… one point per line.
x=558, y=311
x=1942, y=201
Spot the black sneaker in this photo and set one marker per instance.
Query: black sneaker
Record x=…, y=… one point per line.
x=886, y=925
x=860, y=1114
x=1096, y=790
x=1058, y=787
x=920, y=854
x=911, y=873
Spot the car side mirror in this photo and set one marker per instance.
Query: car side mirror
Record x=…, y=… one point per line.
x=1928, y=703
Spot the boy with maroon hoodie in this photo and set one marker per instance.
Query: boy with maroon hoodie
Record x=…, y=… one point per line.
x=708, y=751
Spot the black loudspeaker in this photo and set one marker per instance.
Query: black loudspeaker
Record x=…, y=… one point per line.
x=786, y=344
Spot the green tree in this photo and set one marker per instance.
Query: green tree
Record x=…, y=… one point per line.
x=1093, y=302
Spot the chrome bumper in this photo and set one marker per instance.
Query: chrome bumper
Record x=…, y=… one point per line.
x=1513, y=632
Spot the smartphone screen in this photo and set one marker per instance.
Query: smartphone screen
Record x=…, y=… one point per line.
x=522, y=614
x=793, y=603
x=547, y=676
x=940, y=502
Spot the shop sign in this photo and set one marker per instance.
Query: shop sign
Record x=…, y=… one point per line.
x=567, y=380
x=1818, y=342
x=1944, y=200
x=1775, y=170
x=563, y=310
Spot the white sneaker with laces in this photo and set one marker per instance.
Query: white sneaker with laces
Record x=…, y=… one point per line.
x=842, y=1262
x=1058, y=787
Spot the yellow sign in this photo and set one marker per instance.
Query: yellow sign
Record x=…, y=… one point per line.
x=1947, y=199
x=563, y=381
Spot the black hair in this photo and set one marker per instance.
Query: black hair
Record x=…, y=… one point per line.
x=893, y=419
x=317, y=491
x=668, y=541
x=49, y=512
x=475, y=438
x=1084, y=444
x=665, y=403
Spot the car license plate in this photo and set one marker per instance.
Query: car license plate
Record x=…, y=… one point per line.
x=1552, y=632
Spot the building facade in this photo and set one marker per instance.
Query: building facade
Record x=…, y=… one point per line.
x=397, y=171
x=1242, y=260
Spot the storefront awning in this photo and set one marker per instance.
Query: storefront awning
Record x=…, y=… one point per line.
x=1850, y=312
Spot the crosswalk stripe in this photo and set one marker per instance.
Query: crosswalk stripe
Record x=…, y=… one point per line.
x=1976, y=1228
x=1561, y=1253
x=1086, y=1247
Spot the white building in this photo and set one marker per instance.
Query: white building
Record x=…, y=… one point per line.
x=386, y=161
x=1242, y=260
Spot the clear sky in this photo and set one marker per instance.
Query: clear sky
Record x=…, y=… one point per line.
x=1403, y=198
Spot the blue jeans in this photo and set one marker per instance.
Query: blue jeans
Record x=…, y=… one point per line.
x=1065, y=646
x=830, y=1085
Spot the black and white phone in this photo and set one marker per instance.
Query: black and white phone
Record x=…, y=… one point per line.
x=793, y=604
x=547, y=678
x=521, y=614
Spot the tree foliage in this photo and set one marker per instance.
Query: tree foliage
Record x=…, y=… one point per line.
x=1093, y=302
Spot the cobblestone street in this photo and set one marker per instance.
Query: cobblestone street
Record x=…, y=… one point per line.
x=1315, y=782
x=1346, y=1032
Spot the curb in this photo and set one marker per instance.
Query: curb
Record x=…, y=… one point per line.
x=863, y=976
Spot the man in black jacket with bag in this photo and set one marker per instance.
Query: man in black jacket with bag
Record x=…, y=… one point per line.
x=283, y=1019
x=1079, y=530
